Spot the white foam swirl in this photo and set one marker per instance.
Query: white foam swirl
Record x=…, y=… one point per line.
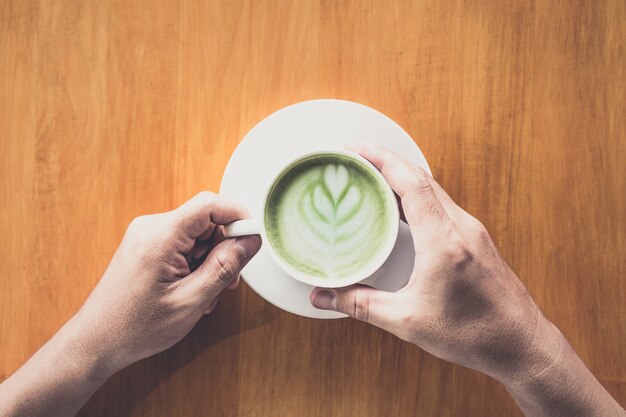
x=327, y=217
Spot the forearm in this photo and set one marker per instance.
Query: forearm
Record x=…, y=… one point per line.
x=58, y=379
x=565, y=387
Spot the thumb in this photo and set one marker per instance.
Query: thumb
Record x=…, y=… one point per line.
x=358, y=301
x=221, y=267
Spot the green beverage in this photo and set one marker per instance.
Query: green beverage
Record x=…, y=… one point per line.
x=329, y=216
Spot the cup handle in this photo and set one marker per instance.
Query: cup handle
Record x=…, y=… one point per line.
x=242, y=228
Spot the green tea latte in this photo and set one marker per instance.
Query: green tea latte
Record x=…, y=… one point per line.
x=328, y=216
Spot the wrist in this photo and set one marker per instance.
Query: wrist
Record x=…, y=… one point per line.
x=542, y=352
x=561, y=385
x=521, y=344
x=83, y=349
x=59, y=377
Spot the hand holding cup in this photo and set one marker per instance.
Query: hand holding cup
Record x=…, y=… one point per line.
x=462, y=303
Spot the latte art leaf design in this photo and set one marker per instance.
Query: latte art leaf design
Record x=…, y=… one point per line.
x=327, y=216
x=333, y=210
x=336, y=179
x=334, y=199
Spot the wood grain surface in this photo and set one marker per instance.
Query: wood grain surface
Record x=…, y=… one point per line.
x=109, y=110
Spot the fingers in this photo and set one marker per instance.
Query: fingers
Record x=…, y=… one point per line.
x=212, y=306
x=454, y=212
x=208, y=232
x=400, y=175
x=220, y=269
x=379, y=156
x=234, y=283
x=198, y=216
x=358, y=301
x=423, y=210
x=201, y=248
x=197, y=254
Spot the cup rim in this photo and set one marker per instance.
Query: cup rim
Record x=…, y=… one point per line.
x=383, y=254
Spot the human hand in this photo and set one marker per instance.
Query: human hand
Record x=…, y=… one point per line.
x=168, y=271
x=462, y=303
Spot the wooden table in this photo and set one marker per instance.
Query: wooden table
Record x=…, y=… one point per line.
x=113, y=109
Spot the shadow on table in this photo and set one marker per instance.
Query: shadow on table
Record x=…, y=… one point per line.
x=129, y=388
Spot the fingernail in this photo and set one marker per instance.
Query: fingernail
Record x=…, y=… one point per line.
x=250, y=244
x=233, y=284
x=326, y=300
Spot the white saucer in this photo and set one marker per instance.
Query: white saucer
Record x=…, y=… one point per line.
x=293, y=131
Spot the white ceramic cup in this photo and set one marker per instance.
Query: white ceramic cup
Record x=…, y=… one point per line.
x=257, y=226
